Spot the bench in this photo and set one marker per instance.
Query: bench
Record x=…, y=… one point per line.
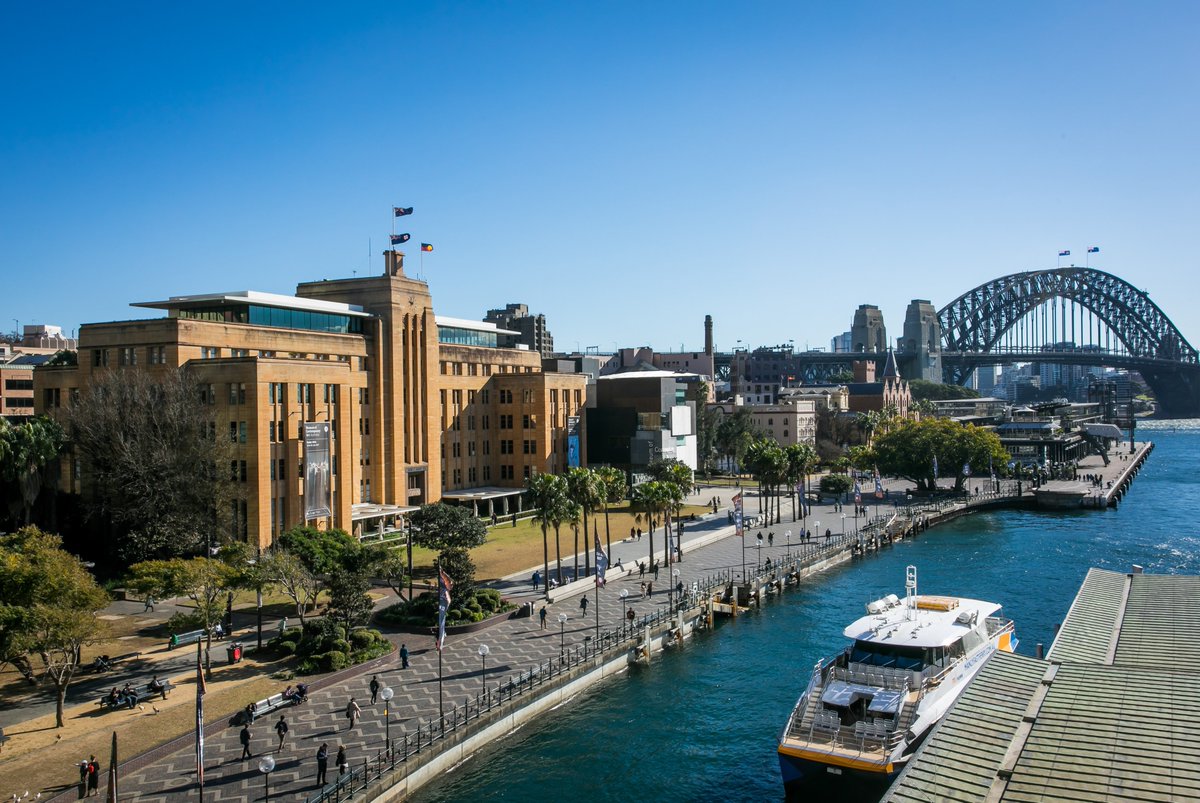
x=179, y=639
x=144, y=692
x=264, y=707
x=103, y=666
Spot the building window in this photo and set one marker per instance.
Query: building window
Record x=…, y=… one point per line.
x=470, y=448
x=528, y=472
x=237, y=393
x=506, y=472
x=242, y=431
x=487, y=447
x=528, y=421
x=530, y=447
x=471, y=474
x=487, y=473
x=233, y=431
x=458, y=476
x=486, y=424
x=456, y=449
x=506, y=422
x=483, y=395
x=527, y=396
x=506, y=447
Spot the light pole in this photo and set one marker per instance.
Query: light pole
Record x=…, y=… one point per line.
x=817, y=525
x=675, y=587
x=562, y=636
x=758, y=554
x=483, y=654
x=843, y=525
x=788, y=534
x=386, y=693
x=265, y=765
x=624, y=595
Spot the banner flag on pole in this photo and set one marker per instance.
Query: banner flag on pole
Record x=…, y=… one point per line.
x=1095, y=249
x=935, y=469
x=967, y=469
x=444, y=586
x=426, y=247
x=401, y=211
x=200, y=691
x=1064, y=253
x=601, y=562
x=397, y=239
x=737, y=515
x=857, y=492
x=112, y=771
x=878, y=485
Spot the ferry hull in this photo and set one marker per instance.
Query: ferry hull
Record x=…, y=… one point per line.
x=802, y=776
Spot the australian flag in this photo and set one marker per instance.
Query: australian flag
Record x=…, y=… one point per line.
x=444, y=586
x=1095, y=249
x=397, y=239
x=1064, y=253
x=857, y=492
x=401, y=211
x=601, y=562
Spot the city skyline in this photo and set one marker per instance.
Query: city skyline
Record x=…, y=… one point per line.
x=623, y=170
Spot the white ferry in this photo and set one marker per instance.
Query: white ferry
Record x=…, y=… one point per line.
x=868, y=708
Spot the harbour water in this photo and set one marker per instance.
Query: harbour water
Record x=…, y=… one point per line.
x=702, y=723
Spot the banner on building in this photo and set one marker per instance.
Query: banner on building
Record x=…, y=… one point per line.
x=573, y=460
x=316, y=470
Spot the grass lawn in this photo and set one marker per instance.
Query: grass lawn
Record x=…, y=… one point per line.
x=512, y=549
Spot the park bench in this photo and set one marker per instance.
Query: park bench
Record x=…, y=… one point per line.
x=144, y=692
x=103, y=666
x=180, y=639
x=264, y=707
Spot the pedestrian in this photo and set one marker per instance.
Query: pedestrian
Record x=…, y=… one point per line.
x=352, y=713
x=374, y=688
x=639, y=533
x=650, y=590
x=583, y=604
x=632, y=534
x=245, y=738
x=643, y=589
x=341, y=757
x=630, y=615
x=679, y=588
x=83, y=776
x=282, y=625
x=771, y=539
x=542, y=616
x=149, y=604
x=322, y=763
x=514, y=518
x=654, y=568
x=537, y=579
x=641, y=569
x=281, y=728
x=495, y=519
x=404, y=656
x=93, y=776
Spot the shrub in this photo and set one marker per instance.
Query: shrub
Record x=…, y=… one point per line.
x=360, y=639
x=285, y=646
x=333, y=660
x=340, y=645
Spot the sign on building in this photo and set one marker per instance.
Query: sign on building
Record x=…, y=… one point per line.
x=316, y=470
x=573, y=441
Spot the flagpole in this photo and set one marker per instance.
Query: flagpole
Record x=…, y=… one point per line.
x=112, y=771
x=199, y=722
x=441, y=705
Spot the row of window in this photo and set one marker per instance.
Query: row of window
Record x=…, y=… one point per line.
x=18, y=384
x=128, y=356
x=451, y=368
x=214, y=353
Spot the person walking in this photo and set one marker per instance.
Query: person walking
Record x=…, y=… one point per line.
x=537, y=579
x=643, y=589
x=650, y=589
x=542, y=616
x=149, y=604
x=93, y=776
x=404, y=656
x=281, y=728
x=583, y=604
x=352, y=713
x=654, y=568
x=244, y=736
x=374, y=688
x=341, y=760
x=641, y=569
x=322, y=763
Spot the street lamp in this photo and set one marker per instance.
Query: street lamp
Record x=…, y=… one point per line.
x=624, y=595
x=817, y=526
x=843, y=524
x=265, y=765
x=675, y=587
x=788, y=534
x=386, y=693
x=483, y=654
x=562, y=636
x=758, y=554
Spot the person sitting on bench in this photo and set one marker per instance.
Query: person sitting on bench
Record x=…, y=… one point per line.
x=158, y=686
x=113, y=697
x=129, y=696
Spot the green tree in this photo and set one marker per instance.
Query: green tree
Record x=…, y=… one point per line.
x=614, y=487
x=768, y=466
x=799, y=460
x=49, y=605
x=393, y=569
x=923, y=389
x=349, y=602
x=583, y=488
x=707, y=421
x=735, y=432
x=909, y=450
x=452, y=531
x=836, y=484
x=26, y=452
x=205, y=581
x=654, y=500
x=292, y=575
x=547, y=493
x=322, y=551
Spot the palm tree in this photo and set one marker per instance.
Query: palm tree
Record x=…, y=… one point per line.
x=650, y=499
x=583, y=488
x=560, y=514
x=27, y=449
x=869, y=422
x=767, y=465
x=546, y=493
x=612, y=483
x=800, y=459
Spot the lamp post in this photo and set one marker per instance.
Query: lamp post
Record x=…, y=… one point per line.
x=817, y=525
x=624, y=596
x=562, y=636
x=843, y=524
x=386, y=693
x=788, y=535
x=266, y=765
x=483, y=654
x=758, y=554
x=675, y=587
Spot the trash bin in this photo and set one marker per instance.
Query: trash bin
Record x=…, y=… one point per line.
x=231, y=653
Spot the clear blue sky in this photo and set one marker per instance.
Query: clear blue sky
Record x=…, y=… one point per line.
x=624, y=168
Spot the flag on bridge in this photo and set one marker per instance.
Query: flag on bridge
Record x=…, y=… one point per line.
x=1095, y=249
x=878, y=485
x=1064, y=253
x=397, y=239
x=601, y=562
x=737, y=515
x=444, y=586
x=857, y=492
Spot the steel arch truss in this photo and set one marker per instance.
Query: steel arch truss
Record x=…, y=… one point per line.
x=978, y=319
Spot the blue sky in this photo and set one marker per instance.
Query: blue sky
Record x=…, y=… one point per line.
x=624, y=168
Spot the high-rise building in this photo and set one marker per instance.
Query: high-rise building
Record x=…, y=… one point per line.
x=528, y=329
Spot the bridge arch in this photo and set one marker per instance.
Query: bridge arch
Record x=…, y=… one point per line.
x=979, y=318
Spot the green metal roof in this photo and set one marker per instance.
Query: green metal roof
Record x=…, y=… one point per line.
x=1161, y=622
x=1086, y=634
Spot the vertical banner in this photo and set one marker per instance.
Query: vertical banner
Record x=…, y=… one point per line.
x=737, y=515
x=316, y=470
x=573, y=442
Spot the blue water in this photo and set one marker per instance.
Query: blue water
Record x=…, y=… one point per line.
x=702, y=723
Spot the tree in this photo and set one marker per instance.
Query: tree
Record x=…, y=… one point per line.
x=614, y=488
x=922, y=389
x=322, y=551
x=767, y=465
x=583, y=488
x=28, y=449
x=909, y=450
x=394, y=570
x=349, y=602
x=156, y=467
x=735, y=432
x=252, y=574
x=48, y=610
x=203, y=580
x=452, y=531
x=652, y=499
x=707, y=421
x=799, y=460
x=546, y=493
x=294, y=577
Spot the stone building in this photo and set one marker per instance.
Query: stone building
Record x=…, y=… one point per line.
x=529, y=329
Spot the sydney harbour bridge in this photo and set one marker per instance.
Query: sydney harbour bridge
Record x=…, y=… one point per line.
x=1066, y=316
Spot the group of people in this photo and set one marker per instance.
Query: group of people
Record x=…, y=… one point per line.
x=89, y=777
x=127, y=696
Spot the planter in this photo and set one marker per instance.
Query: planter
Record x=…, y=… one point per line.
x=452, y=630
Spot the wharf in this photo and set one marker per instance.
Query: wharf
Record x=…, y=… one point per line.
x=1106, y=489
